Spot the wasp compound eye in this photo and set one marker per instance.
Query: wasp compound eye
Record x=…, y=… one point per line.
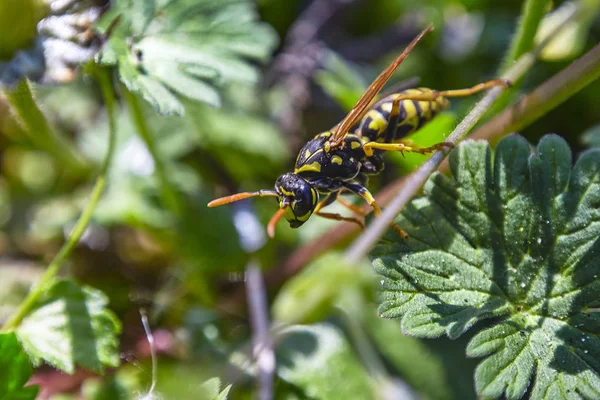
x=301, y=198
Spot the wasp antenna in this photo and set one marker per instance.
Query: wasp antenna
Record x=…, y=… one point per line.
x=241, y=196
x=273, y=221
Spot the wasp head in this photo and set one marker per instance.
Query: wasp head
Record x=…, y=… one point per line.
x=297, y=197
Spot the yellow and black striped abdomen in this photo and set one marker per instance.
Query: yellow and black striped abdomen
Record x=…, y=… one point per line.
x=413, y=115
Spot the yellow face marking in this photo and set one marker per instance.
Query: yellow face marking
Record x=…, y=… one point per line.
x=314, y=167
x=351, y=159
x=304, y=217
x=307, y=153
x=324, y=134
x=315, y=196
x=354, y=145
x=288, y=214
x=337, y=160
x=285, y=192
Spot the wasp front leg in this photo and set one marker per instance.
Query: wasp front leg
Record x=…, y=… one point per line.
x=405, y=145
x=365, y=194
x=327, y=201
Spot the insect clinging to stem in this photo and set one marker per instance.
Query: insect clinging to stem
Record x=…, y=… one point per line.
x=342, y=158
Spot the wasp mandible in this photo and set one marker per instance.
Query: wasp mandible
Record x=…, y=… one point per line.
x=342, y=158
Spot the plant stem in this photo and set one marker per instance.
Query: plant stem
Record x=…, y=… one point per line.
x=30, y=117
x=30, y=301
x=170, y=195
x=545, y=97
x=531, y=16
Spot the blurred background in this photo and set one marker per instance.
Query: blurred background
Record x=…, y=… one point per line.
x=186, y=263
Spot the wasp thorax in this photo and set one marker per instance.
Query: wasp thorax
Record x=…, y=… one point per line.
x=298, y=197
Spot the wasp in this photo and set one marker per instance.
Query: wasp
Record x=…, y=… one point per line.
x=342, y=158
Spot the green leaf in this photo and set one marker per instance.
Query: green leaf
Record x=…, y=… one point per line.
x=422, y=368
x=591, y=137
x=318, y=359
x=15, y=370
x=513, y=236
x=211, y=389
x=311, y=295
x=169, y=48
x=71, y=326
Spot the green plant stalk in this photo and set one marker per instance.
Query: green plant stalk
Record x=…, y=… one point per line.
x=531, y=16
x=55, y=265
x=545, y=97
x=24, y=107
x=169, y=194
x=522, y=42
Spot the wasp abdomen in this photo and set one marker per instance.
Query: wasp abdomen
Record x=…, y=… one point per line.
x=413, y=114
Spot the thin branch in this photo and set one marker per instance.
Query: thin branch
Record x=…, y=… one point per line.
x=55, y=265
x=262, y=340
x=417, y=179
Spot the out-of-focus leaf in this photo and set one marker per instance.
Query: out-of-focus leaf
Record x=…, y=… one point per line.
x=517, y=239
x=165, y=49
x=340, y=81
x=572, y=38
x=211, y=390
x=591, y=137
x=422, y=369
x=318, y=359
x=123, y=385
x=311, y=295
x=15, y=370
x=71, y=326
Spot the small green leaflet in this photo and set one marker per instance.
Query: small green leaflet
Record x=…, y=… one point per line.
x=319, y=360
x=515, y=236
x=72, y=326
x=164, y=48
x=15, y=370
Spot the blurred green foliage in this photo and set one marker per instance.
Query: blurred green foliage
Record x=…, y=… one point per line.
x=219, y=62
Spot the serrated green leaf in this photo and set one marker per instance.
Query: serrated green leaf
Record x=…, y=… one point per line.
x=71, y=326
x=15, y=370
x=513, y=236
x=304, y=352
x=184, y=47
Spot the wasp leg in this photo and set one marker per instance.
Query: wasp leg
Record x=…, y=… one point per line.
x=365, y=194
x=338, y=217
x=350, y=206
x=402, y=147
x=475, y=89
x=331, y=197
